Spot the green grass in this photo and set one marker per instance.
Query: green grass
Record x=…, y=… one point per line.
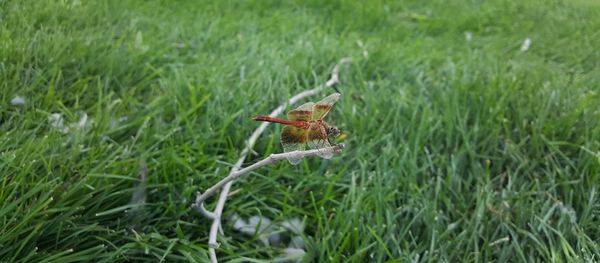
x=456, y=151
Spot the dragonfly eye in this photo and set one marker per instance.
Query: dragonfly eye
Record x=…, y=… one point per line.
x=333, y=132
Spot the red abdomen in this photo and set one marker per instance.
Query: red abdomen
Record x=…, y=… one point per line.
x=277, y=120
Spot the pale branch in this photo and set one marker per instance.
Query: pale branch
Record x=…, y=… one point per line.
x=216, y=214
x=203, y=211
x=269, y=160
x=333, y=80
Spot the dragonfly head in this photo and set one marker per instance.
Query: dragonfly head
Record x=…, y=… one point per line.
x=333, y=132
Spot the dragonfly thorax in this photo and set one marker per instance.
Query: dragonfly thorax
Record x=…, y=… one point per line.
x=331, y=131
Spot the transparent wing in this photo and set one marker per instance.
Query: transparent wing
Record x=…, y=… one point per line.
x=302, y=113
x=293, y=139
x=321, y=108
x=317, y=139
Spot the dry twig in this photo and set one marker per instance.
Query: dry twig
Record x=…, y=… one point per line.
x=236, y=172
x=269, y=160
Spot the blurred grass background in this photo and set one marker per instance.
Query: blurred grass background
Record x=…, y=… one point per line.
x=462, y=145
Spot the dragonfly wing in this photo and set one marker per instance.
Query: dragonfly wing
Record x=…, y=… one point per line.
x=302, y=113
x=321, y=108
x=317, y=139
x=293, y=139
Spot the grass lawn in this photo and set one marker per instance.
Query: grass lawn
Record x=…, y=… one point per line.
x=464, y=143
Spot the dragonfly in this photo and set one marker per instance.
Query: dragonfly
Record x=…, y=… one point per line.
x=305, y=127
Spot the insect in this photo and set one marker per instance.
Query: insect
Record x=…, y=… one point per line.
x=305, y=127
